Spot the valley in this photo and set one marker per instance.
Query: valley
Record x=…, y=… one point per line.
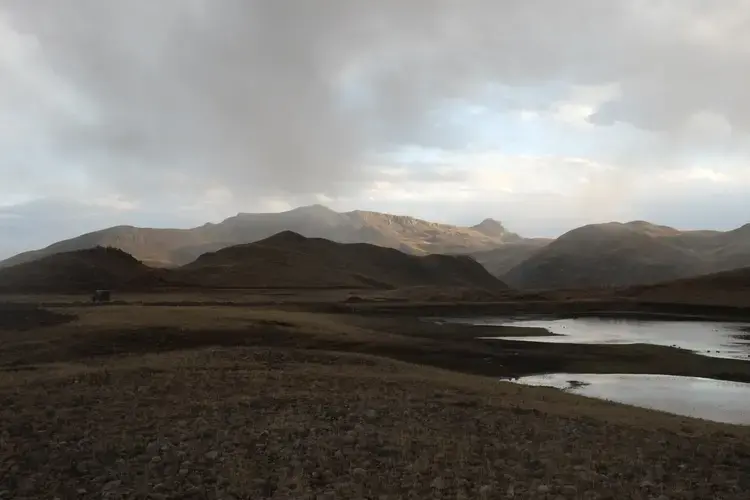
x=384, y=356
x=351, y=250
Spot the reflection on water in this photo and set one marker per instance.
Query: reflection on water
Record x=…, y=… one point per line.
x=710, y=338
x=709, y=399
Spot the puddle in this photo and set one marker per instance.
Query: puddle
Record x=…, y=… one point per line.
x=717, y=400
x=716, y=339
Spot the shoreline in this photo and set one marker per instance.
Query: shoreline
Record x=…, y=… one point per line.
x=403, y=337
x=510, y=310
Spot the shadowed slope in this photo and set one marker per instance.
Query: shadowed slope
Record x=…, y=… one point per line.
x=728, y=288
x=82, y=270
x=606, y=255
x=499, y=261
x=291, y=260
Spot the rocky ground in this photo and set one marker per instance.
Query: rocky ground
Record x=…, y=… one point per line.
x=250, y=422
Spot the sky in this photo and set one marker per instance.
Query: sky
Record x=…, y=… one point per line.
x=542, y=114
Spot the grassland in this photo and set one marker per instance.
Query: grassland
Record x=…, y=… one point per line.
x=303, y=401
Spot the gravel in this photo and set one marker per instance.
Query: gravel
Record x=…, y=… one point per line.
x=243, y=423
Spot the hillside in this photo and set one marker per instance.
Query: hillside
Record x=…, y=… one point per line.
x=613, y=254
x=175, y=247
x=154, y=247
x=500, y=260
x=727, y=288
x=291, y=260
x=598, y=255
x=80, y=271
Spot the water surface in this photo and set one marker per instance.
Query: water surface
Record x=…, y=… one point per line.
x=716, y=400
x=710, y=338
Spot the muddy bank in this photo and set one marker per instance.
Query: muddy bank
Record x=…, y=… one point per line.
x=572, y=309
x=450, y=346
x=339, y=301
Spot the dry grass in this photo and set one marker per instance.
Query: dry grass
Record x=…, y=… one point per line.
x=202, y=296
x=137, y=329
x=258, y=423
x=235, y=402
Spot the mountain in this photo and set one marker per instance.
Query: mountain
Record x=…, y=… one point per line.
x=500, y=260
x=285, y=260
x=175, y=247
x=290, y=260
x=495, y=229
x=80, y=271
x=616, y=254
x=727, y=288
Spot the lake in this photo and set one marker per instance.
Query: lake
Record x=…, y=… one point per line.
x=710, y=338
x=716, y=400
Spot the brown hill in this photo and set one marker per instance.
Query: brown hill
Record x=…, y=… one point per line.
x=175, y=247
x=727, y=288
x=290, y=260
x=616, y=254
x=500, y=260
x=80, y=271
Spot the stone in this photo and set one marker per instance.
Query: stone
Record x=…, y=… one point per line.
x=570, y=490
x=111, y=485
x=438, y=483
x=152, y=448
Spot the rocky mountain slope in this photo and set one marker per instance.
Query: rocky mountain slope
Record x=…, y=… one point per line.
x=175, y=247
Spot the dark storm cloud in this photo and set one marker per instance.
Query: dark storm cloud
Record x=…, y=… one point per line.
x=292, y=96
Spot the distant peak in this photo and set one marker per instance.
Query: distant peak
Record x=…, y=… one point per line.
x=490, y=222
x=490, y=226
x=284, y=237
x=641, y=223
x=650, y=227
x=316, y=209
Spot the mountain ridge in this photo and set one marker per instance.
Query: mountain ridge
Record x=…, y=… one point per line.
x=291, y=260
x=618, y=254
x=175, y=247
x=284, y=260
x=606, y=255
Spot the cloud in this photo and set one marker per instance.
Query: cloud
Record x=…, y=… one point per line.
x=548, y=195
x=202, y=107
x=534, y=195
x=258, y=96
